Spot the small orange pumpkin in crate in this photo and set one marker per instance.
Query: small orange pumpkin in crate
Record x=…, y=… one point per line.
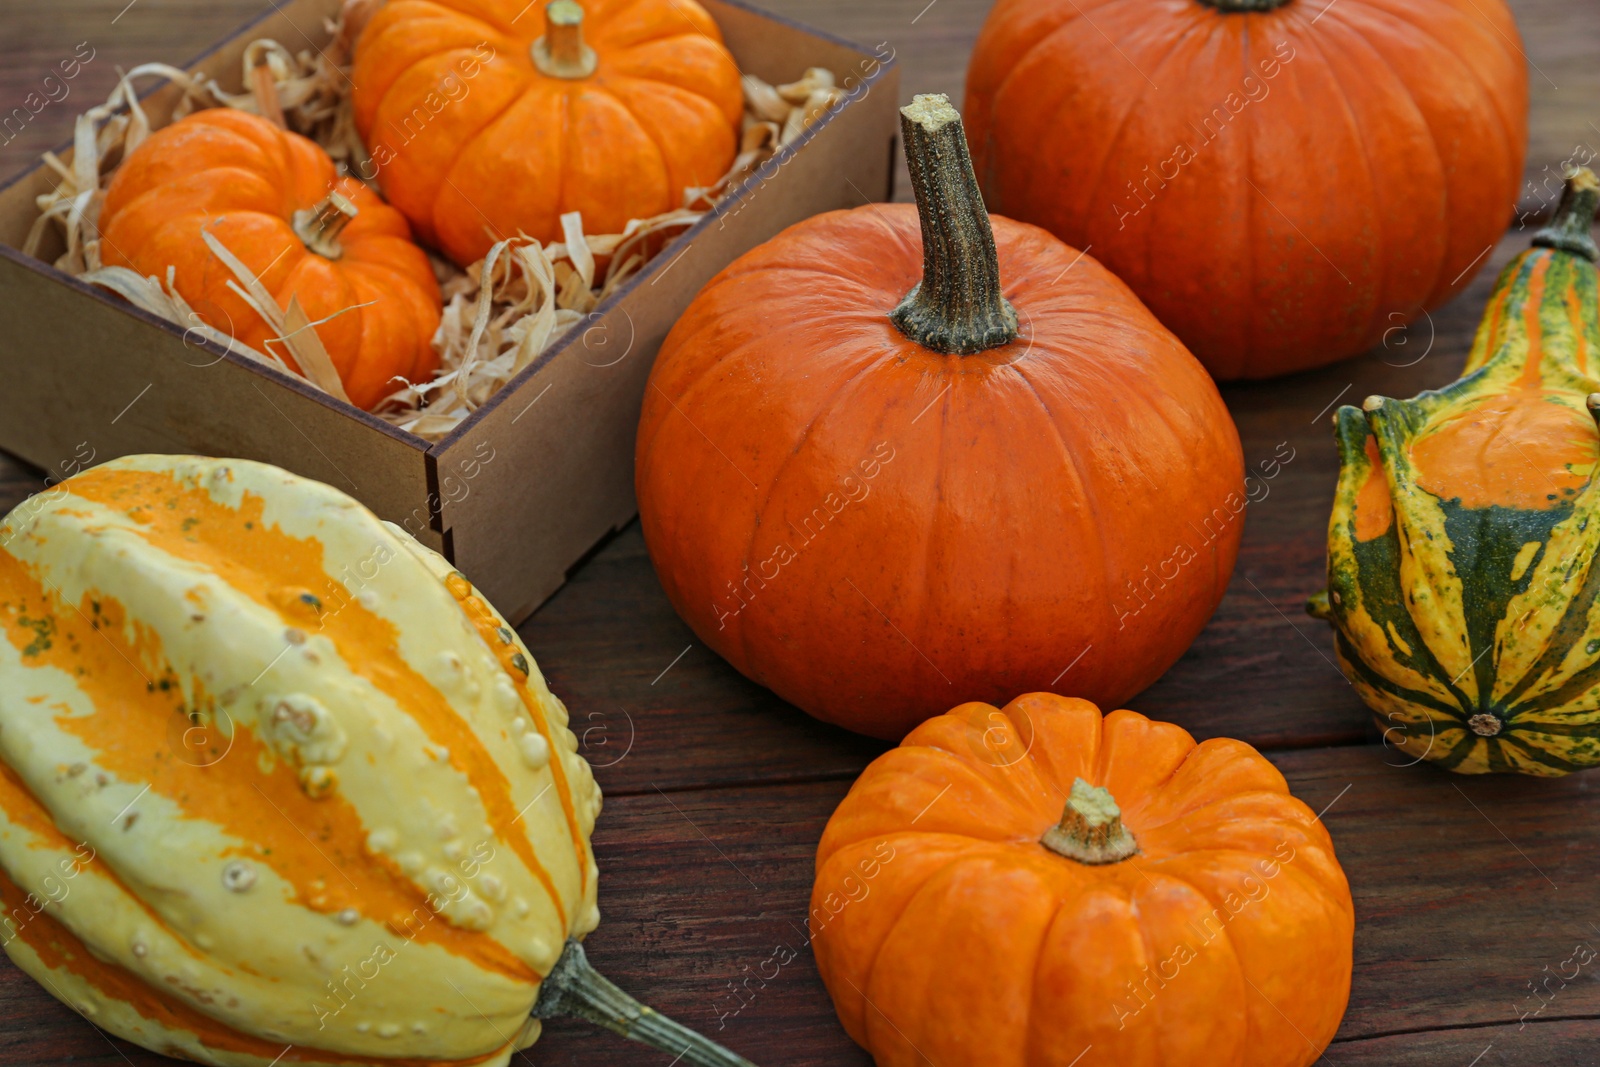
x=483, y=123
x=271, y=199
x=1038, y=885
x=1017, y=478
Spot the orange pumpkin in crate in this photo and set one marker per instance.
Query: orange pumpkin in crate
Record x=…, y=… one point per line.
x=1281, y=181
x=1014, y=479
x=485, y=120
x=273, y=200
x=1036, y=885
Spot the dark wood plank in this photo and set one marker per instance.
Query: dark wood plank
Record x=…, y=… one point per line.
x=113, y=34
x=1466, y=890
x=1460, y=908
x=1538, y=1044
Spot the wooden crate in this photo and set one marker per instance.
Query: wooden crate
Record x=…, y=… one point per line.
x=525, y=487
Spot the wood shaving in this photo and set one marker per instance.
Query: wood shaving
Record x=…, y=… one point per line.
x=499, y=314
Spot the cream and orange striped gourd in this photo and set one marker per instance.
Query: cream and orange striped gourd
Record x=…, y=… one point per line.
x=276, y=785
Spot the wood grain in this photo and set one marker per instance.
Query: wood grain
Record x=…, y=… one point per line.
x=704, y=887
x=1467, y=890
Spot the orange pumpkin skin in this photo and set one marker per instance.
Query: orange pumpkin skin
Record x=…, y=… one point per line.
x=869, y=528
x=475, y=144
x=946, y=932
x=242, y=179
x=1304, y=180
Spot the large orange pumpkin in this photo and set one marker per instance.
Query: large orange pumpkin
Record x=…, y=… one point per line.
x=485, y=119
x=1281, y=181
x=875, y=510
x=274, y=200
x=1038, y=886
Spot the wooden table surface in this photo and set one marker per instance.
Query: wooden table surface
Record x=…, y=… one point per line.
x=1469, y=892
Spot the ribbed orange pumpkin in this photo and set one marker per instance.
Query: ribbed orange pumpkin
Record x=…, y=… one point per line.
x=1281, y=181
x=874, y=510
x=274, y=200
x=485, y=120
x=1038, y=886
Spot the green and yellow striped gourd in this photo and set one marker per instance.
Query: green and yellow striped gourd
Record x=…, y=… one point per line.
x=278, y=786
x=1462, y=571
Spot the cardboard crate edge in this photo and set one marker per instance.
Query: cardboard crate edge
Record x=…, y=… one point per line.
x=416, y=492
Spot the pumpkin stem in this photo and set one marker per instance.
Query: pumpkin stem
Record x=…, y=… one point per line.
x=574, y=988
x=319, y=226
x=1233, y=7
x=561, y=52
x=1091, y=829
x=957, y=308
x=1569, y=229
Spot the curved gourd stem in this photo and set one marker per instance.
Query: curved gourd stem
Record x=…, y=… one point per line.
x=1241, y=6
x=1091, y=829
x=562, y=52
x=574, y=988
x=958, y=306
x=318, y=227
x=1574, y=217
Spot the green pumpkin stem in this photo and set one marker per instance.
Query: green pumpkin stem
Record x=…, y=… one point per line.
x=957, y=308
x=1091, y=829
x=562, y=51
x=1574, y=217
x=574, y=988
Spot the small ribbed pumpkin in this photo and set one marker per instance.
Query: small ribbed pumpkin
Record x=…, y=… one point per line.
x=1281, y=181
x=882, y=464
x=1040, y=886
x=485, y=121
x=1462, y=547
x=273, y=199
x=276, y=784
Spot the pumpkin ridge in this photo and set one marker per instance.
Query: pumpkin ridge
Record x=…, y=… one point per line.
x=869, y=973
x=1314, y=889
x=1416, y=514
x=466, y=10
x=1034, y=983
x=334, y=813
x=650, y=133
x=113, y=488
x=1134, y=106
x=1434, y=290
x=870, y=970
x=464, y=148
x=1251, y=311
x=1377, y=681
x=50, y=939
x=1538, y=755
x=708, y=374
x=1080, y=13
x=1090, y=494
x=1453, y=9
x=931, y=529
x=1443, y=48
x=156, y=194
x=1569, y=628
x=1204, y=811
x=486, y=621
x=871, y=361
x=38, y=820
x=1376, y=228
x=1459, y=753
